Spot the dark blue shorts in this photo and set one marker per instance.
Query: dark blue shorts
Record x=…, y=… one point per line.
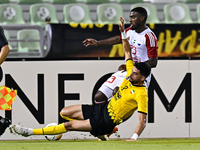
x=100, y=120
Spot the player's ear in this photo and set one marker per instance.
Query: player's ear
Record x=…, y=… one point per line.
x=143, y=78
x=142, y=18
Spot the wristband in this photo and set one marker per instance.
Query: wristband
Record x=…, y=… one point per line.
x=123, y=35
x=135, y=136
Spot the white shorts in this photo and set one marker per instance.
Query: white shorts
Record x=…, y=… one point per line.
x=116, y=80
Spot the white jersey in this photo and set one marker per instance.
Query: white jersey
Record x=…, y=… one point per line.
x=143, y=46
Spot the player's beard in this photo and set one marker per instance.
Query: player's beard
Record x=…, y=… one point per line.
x=134, y=81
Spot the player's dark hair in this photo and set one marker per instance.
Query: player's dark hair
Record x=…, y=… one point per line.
x=142, y=11
x=144, y=68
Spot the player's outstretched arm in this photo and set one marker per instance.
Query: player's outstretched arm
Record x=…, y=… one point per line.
x=140, y=127
x=152, y=62
x=4, y=53
x=125, y=43
x=4, y=48
x=109, y=41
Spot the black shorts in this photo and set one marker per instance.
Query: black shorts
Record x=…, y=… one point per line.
x=100, y=120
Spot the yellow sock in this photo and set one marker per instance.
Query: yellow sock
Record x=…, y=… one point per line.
x=51, y=130
x=67, y=118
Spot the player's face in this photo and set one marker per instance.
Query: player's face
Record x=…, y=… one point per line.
x=136, y=77
x=135, y=20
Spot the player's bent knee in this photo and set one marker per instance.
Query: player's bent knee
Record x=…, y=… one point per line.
x=66, y=117
x=62, y=112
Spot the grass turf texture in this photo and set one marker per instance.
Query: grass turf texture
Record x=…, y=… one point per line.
x=140, y=144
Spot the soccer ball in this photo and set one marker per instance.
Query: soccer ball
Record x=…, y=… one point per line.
x=53, y=137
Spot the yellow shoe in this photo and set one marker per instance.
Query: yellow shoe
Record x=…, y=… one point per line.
x=114, y=131
x=103, y=138
x=106, y=137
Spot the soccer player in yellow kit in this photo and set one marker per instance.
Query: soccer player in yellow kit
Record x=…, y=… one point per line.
x=101, y=119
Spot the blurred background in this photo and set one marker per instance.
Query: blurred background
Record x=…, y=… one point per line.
x=55, y=29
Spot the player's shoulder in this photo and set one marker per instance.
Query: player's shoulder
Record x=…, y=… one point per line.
x=147, y=30
x=149, y=33
x=141, y=90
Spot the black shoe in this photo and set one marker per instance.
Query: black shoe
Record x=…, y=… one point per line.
x=4, y=123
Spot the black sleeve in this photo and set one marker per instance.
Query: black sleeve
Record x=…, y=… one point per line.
x=3, y=40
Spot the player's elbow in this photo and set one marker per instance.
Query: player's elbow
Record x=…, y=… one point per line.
x=153, y=65
x=153, y=62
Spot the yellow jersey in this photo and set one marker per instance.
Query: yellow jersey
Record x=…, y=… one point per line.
x=127, y=99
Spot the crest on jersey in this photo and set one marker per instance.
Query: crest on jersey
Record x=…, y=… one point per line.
x=139, y=44
x=132, y=91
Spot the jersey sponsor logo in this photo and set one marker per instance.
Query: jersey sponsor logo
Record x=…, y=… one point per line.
x=127, y=78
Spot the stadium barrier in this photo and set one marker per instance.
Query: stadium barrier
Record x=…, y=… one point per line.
x=45, y=87
x=174, y=40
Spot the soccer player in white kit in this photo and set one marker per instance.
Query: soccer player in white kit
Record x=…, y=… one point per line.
x=144, y=48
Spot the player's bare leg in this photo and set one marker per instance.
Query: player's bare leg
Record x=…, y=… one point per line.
x=78, y=125
x=72, y=113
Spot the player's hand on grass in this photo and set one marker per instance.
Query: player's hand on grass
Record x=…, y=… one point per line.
x=90, y=41
x=121, y=25
x=129, y=140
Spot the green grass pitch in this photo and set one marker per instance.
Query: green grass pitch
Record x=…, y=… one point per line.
x=140, y=144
